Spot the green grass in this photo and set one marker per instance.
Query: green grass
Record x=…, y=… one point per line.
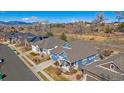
x=33, y=54
x=42, y=76
x=52, y=72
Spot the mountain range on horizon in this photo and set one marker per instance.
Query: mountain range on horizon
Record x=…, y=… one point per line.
x=15, y=23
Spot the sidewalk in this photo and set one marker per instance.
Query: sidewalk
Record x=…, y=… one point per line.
x=35, y=68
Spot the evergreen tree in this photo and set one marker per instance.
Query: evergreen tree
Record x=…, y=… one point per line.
x=63, y=37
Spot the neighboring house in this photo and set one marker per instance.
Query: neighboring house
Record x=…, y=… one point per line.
x=17, y=37
x=29, y=41
x=9, y=36
x=44, y=46
x=75, y=54
x=1, y=36
x=25, y=39
x=110, y=69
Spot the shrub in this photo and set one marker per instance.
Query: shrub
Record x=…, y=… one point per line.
x=107, y=52
x=56, y=63
x=58, y=72
x=49, y=34
x=78, y=76
x=73, y=71
x=33, y=54
x=92, y=38
x=63, y=37
x=101, y=56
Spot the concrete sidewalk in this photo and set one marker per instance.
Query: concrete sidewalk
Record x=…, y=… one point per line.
x=35, y=68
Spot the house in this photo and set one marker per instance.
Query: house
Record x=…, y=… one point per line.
x=44, y=46
x=75, y=54
x=25, y=39
x=17, y=37
x=29, y=41
x=1, y=36
x=9, y=36
x=110, y=69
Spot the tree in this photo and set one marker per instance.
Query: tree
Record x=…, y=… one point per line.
x=98, y=21
x=121, y=26
x=63, y=37
x=108, y=30
x=13, y=29
x=119, y=15
x=21, y=28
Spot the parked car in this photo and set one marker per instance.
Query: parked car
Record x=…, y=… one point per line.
x=2, y=76
x=1, y=60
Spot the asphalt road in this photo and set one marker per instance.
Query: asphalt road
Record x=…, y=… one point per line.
x=13, y=67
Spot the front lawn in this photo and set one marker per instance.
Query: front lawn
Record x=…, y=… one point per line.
x=23, y=49
x=42, y=76
x=37, y=59
x=55, y=73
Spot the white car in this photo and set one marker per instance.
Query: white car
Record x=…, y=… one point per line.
x=1, y=60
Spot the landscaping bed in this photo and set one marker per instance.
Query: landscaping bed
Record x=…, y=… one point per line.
x=55, y=73
x=37, y=59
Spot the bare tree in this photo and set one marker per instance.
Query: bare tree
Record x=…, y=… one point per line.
x=98, y=21
x=119, y=15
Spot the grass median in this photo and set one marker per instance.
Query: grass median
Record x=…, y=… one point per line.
x=42, y=76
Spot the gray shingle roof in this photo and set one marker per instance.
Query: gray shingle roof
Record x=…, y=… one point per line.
x=117, y=59
x=79, y=50
x=50, y=42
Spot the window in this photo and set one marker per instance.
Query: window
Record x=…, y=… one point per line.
x=67, y=45
x=63, y=55
x=54, y=57
x=112, y=67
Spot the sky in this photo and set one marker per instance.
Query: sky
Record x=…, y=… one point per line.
x=54, y=16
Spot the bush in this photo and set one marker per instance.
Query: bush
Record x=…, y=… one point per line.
x=63, y=37
x=78, y=77
x=49, y=34
x=92, y=38
x=101, y=56
x=73, y=71
x=33, y=54
x=56, y=63
x=107, y=52
x=47, y=58
x=58, y=72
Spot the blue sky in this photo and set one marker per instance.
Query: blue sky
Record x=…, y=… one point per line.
x=53, y=16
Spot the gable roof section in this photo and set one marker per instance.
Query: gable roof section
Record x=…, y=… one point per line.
x=50, y=42
x=79, y=50
x=117, y=60
x=38, y=38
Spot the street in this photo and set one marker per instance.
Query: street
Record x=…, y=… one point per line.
x=13, y=67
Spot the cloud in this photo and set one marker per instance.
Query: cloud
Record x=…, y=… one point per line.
x=30, y=19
